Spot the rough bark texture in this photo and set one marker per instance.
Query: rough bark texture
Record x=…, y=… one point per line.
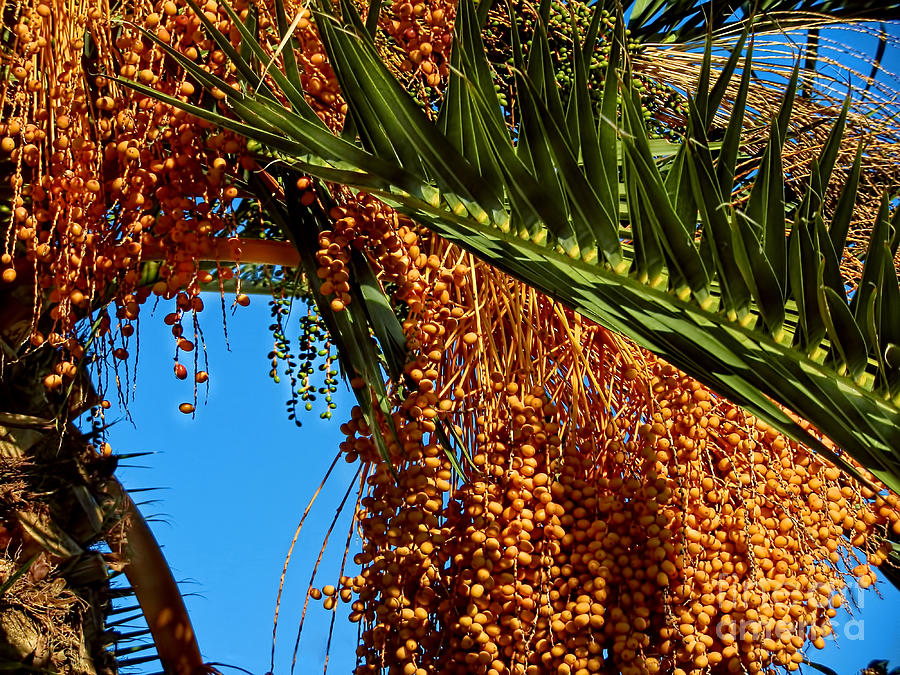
x=52, y=614
x=53, y=586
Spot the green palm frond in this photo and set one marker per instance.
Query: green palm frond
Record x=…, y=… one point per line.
x=747, y=299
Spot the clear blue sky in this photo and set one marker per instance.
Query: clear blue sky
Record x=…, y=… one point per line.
x=237, y=479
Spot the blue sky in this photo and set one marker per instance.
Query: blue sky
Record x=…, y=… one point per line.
x=236, y=480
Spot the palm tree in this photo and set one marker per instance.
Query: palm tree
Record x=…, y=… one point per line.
x=698, y=248
x=68, y=529
x=678, y=242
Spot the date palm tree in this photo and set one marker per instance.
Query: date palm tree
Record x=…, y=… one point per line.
x=68, y=528
x=696, y=241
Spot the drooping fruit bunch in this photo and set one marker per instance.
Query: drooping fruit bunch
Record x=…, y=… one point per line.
x=105, y=179
x=423, y=32
x=614, y=516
